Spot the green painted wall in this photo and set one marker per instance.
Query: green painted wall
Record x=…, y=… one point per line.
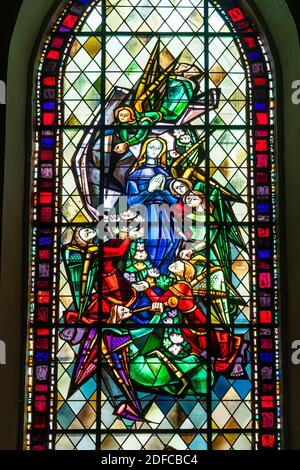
x=280, y=24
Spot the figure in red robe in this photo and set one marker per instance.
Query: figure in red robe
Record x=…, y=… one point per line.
x=225, y=349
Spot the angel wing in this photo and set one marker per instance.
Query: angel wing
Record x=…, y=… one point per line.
x=150, y=74
x=151, y=90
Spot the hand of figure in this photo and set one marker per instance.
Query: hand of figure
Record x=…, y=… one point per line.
x=121, y=148
x=157, y=307
x=174, y=154
x=186, y=254
x=156, y=183
x=141, y=286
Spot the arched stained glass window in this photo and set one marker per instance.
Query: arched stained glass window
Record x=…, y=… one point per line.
x=153, y=302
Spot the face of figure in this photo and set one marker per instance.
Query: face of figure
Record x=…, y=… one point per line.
x=177, y=267
x=180, y=188
x=124, y=313
x=192, y=200
x=124, y=116
x=185, y=139
x=153, y=149
x=87, y=234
